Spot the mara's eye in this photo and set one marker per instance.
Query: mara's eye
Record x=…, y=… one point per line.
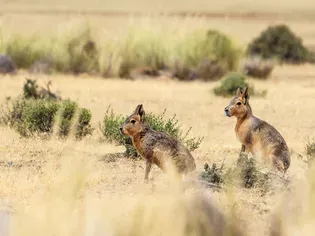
x=239, y=103
x=133, y=121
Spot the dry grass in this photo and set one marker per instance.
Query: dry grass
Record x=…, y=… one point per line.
x=73, y=183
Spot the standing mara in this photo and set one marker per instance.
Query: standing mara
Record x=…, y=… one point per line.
x=257, y=136
x=156, y=147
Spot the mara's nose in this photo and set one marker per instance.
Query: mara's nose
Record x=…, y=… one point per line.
x=226, y=110
x=121, y=130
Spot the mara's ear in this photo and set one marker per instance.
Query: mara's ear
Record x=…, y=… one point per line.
x=239, y=92
x=140, y=111
x=245, y=95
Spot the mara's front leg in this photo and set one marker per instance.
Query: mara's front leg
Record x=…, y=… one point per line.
x=243, y=149
x=148, y=166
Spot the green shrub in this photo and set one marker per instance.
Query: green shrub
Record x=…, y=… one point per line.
x=231, y=82
x=37, y=116
x=84, y=127
x=281, y=43
x=112, y=123
x=68, y=109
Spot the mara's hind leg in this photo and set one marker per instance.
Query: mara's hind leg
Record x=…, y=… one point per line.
x=278, y=164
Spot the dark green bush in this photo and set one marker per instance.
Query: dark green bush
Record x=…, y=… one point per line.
x=112, y=123
x=231, y=82
x=281, y=43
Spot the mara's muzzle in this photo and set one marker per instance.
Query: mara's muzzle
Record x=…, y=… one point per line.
x=227, y=112
x=121, y=130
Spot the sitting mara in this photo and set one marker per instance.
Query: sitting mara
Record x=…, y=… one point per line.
x=156, y=147
x=257, y=136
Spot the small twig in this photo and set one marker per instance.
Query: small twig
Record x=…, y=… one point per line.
x=210, y=184
x=222, y=165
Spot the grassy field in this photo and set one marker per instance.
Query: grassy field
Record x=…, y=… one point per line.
x=72, y=188
x=36, y=164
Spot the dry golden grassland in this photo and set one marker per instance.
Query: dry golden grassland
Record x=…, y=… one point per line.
x=31, y=167
x=56, y=187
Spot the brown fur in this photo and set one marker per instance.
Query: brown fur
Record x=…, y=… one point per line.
x=257, y=136
x=156, y=147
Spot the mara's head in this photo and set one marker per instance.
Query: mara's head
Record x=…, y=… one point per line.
x=135, y=123
x=239, y=106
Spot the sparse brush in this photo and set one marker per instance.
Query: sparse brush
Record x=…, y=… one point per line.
x=112, y=122
x=249, y=173
x=202, y=54
x=310, y=152
x=11, y=111
x=245, y=173
x=257, y=67
x=231, y=82
x=31, y=90
x=212, y=174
